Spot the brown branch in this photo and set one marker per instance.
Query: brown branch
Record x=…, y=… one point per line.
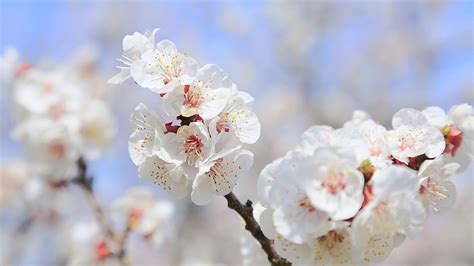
x=251, y=225
x=121, y=241
x=85, y=183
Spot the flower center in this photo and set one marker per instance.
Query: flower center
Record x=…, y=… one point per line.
x=223, y=124
x=216, y=169
x=306, y=204
x=48, y=88
x=331, y=239
x=102, y=251
x=22, y=69
x=334, y=182
x=169, y=65
x=193, y=146
x=57, y=150
x=192, y=98
x=453, y=138
x=134, y=216
x=406, y=143
x=56, y=111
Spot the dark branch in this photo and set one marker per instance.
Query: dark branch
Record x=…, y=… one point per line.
x=251, y=225
x=85, y=182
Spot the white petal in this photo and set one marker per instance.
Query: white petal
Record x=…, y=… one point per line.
x=247, y=127
x=315, y=136
x=266, y=224
x=436, y=116
x=122, y=76
x=168, y=176
x=378, y=248
x=166, y=47
x=460, y=112
x=295, y=253
x=214, y=103
x=202, y=191
x=213, y=77
x=408, y=117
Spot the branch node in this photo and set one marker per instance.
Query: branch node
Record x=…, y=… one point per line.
x=251, y=225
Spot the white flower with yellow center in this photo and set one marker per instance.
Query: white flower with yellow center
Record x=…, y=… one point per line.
x=163, y=68
x=291, y=212
x=238, y=118
x=394, y=205
x=219, y=174
x=437, y=191
x=206, y=96
x=332, y=182
x=133, y=47
x=147, y=126
x=190, y=147
x=412, y=136
x=168, y=175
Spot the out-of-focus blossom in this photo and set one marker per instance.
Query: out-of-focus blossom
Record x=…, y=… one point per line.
x=152, y=219
x=59, y=118
x=88, y=246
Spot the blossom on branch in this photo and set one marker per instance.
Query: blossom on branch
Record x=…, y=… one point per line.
x=193, y=141
x=352, y=195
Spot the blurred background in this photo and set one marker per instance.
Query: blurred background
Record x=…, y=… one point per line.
x=305, y=62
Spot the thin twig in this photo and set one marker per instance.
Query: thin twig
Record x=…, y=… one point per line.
x=85, y=182
x=121, y=241
x=251, y=225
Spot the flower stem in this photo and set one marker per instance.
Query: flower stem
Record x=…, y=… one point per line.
x=85, y=183
x=251, y=225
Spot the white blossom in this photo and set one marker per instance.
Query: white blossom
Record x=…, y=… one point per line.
x=163, y=68
x=292, y=213
x=458, y=129
x=133, y=47
x=412, y=136
x=88, y=246
x=239, y=118
x=147, y=126
x=437, y=191
x=206, y=96
x=152, y=219
x=332, y=182
x=219, y=174
x=394, y=205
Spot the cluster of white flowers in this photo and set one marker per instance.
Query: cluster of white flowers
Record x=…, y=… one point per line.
x=351, y=195
x=194, y=139
x=58, y=113
x=142, y=213
x=149, y=218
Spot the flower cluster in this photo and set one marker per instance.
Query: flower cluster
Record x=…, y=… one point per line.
x=151, y=219
x=58, y=117
x=351, y=195
x=194, y=139
x=142, y=214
